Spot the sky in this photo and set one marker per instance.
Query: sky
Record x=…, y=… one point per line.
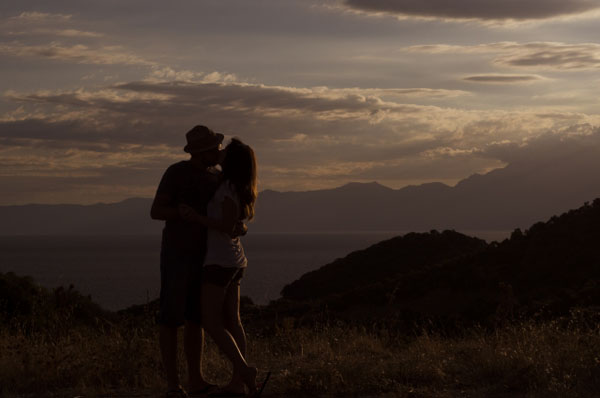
x=96, y=96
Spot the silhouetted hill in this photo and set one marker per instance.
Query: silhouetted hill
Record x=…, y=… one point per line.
x=388, y=259
x=552, y=266
x=30, y=307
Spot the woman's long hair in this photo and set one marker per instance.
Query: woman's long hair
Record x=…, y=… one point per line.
x=239, y=167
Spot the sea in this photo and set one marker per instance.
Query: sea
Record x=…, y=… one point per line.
x=120, y=271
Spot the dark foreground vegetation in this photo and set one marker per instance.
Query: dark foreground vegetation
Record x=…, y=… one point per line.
x=424, y=315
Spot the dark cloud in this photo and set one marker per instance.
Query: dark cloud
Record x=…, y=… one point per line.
x=503, y=79
x=547, y=55
x=476, y=9
x=554, y=55
x=81, y=133
x=577, y=142
x=256, y=97
x=151, y=112
x=284, y=118
x=79, y=53
x=203, y=18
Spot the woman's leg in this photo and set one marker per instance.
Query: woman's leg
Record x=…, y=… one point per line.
x=233, y=323
x=213, y=298
x=231, y=314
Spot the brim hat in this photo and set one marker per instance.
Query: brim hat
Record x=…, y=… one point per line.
x=201, y=138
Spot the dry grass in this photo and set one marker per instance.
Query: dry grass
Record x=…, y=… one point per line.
x=529, y=359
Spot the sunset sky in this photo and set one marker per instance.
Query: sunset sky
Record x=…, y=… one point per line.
x=97, y=95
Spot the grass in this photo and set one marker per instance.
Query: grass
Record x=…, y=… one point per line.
x=552, y=358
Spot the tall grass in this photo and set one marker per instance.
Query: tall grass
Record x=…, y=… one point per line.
x=553, y=358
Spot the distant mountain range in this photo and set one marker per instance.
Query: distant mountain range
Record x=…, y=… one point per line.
x=129, y=217
x=503, y=199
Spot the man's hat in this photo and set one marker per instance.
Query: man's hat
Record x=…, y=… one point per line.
x=201, y=138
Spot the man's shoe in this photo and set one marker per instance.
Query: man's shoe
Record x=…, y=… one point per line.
x=226, y=394
x=179, y=392
x=203, y=392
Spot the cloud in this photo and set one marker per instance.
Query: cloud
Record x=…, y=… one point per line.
x=483, y=10
x=554, y=56
x=538, y=55
x=296, y=112
x=165, y=73
x=503, y=79
x=79, y=53
x=579, y=143
x=304, y=137
x=425, y=129
x=36, y=172
x=37, y=17
x=464, y=49
x=75, y=33
x=44, y=25
x=399, y=93
x=241, y=98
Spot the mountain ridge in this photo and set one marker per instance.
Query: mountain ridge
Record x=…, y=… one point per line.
x=503, y=199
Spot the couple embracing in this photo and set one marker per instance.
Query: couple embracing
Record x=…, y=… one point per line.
x=202, y=260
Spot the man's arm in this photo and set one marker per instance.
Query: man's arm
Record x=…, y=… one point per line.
x=161, y=210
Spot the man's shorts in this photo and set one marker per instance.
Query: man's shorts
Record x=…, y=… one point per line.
x=222, y=276
x=180, y=287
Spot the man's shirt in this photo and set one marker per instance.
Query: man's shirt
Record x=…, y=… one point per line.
x=186, y=184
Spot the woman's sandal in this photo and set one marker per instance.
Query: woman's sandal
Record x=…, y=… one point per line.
x=261, y=386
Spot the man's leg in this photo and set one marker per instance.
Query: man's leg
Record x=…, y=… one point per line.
x=193, y=337
x=168, y=351
x=171, y=314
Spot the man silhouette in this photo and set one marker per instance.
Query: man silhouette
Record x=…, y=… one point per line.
x=191, y=182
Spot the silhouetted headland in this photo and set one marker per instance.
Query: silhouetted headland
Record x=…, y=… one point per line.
x=549, y=268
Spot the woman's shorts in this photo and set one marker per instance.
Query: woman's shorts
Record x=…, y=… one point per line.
x=222, y=276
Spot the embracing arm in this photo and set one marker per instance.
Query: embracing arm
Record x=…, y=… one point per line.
x=226, y=224
x=161, y=210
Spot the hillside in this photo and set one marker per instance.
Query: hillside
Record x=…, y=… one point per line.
x=30, y=307
x=395, y=257
x=553, y=266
